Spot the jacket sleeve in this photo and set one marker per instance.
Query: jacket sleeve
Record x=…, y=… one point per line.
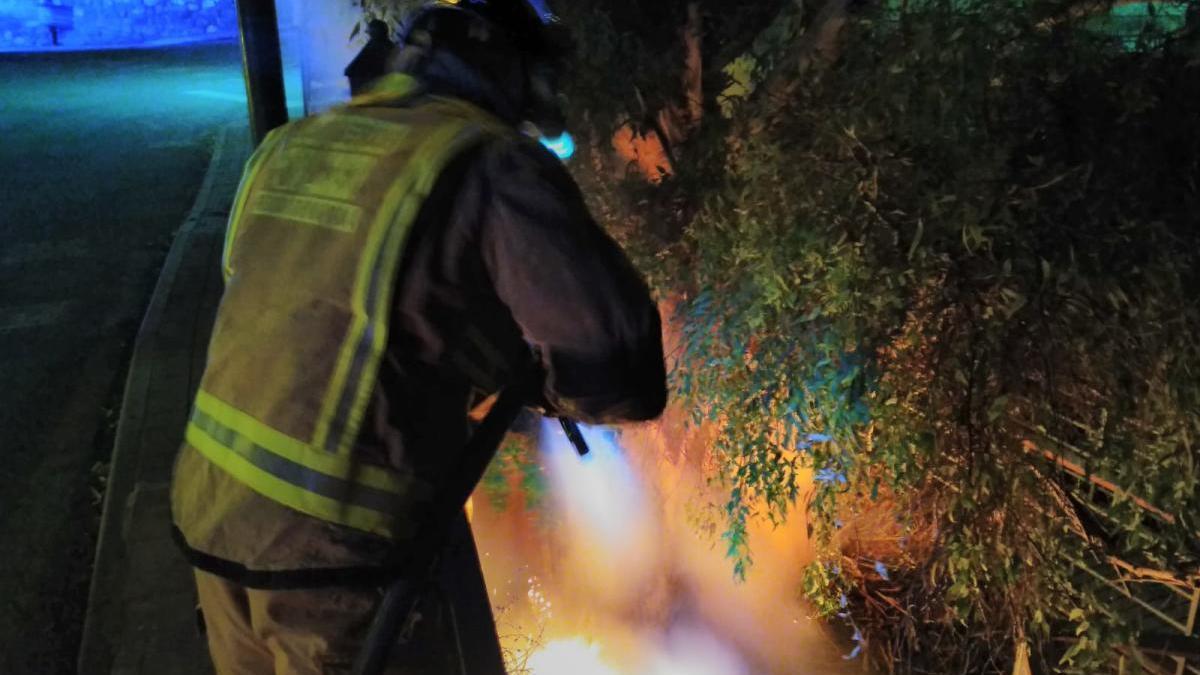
x=571, y=289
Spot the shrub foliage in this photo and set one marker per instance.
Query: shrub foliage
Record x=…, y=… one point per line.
x=964, y=246
x=947, y=273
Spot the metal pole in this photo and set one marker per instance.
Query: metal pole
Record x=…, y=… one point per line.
x=474, y=626
x=262, y=66
x=444, y=520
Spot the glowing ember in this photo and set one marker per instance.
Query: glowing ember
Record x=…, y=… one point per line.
x=576, y=656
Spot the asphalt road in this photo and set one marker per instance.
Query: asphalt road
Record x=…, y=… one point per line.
x=101, y=155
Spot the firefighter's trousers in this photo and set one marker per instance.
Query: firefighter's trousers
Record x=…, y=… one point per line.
x=300, y=632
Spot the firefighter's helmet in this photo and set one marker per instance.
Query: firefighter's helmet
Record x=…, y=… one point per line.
x=525, y=25
x=523, y=29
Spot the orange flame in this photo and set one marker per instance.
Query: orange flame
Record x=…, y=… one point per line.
x=573, y=655
x=636, y=586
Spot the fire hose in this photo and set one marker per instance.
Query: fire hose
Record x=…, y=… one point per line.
x=397, y=610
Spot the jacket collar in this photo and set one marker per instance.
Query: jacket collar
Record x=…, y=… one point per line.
x=442, y=73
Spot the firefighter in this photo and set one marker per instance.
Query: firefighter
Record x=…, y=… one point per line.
x=385, y=262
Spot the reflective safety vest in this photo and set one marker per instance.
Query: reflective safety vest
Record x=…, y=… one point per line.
x=310, y=261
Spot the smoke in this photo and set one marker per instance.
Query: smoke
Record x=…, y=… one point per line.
x=695, y=650
x=598, y=492
x=607, y=531
x=621, y=557
x=617, y=576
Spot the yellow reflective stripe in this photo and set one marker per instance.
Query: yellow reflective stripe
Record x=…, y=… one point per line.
x=253, y=165
x=380, y=313
x=352, y=400
x=362, y=280
x=437, y=150
x=285, y=493
x=445, y=143
x=299, y=452
x=398, y=209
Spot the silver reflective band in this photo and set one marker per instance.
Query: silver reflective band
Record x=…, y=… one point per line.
x=332, y=487
x=362, y=351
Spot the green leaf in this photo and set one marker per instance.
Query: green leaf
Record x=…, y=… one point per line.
x=998, y=407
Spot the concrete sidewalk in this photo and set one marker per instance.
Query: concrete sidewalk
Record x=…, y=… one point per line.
x=140, y=616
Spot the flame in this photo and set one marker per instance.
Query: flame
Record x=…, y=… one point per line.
x=573, y=655
x=637, y=587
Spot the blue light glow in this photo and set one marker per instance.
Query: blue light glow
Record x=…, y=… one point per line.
x=882, y=570
x=829, y=476
x=542, y=10
x=563, y=146
x=71, y=25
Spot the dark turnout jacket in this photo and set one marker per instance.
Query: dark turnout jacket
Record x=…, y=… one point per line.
x=504, y=260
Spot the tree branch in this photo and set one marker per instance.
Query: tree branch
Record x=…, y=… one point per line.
x=819, y=43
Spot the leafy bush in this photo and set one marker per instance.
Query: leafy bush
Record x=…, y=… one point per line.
x=929, y=268
x=968, y=242
x=515, y=467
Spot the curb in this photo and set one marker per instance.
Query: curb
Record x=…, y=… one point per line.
x=111, y=548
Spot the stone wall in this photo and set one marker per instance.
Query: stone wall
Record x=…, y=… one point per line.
x=100, y=23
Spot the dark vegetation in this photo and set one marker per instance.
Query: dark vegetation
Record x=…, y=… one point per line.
x=942, y=258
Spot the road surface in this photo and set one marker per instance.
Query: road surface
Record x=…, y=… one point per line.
x=101, y=155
